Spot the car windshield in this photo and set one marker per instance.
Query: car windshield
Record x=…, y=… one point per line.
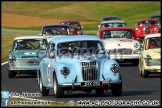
x=147, y=22
x=113, y=25
x=80, y=48
x=117, y=34
x=48, y=31
x=154, y=42
x=73, y=25
x=29, y=44
x=113, y=18
x=156, y=17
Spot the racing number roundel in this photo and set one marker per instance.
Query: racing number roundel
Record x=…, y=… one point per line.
x=48, y=72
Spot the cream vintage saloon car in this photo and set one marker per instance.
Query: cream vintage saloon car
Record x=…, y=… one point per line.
x=150, y=56
x=121, y=44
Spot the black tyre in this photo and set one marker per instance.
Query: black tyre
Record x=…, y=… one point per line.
x=141, y=73
x=58, y=91
x=99, y=91
x=43, y=89
x=117, y=89
x=145, y=74
x=11, y=74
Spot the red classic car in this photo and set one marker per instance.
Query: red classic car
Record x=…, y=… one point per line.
x=76, y=28
x=146, y=26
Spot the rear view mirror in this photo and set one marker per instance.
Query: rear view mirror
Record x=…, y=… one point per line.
x=52, y=54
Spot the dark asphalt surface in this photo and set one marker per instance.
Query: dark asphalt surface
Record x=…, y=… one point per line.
x=134, y=87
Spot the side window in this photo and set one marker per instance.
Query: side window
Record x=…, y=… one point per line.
x=14, y=45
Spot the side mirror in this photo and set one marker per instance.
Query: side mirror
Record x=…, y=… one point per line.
x=52, y=54
x=9, y=50
x=40, y=34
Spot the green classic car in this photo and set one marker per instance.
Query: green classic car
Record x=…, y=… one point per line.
x=157, y=17
x=26, y=54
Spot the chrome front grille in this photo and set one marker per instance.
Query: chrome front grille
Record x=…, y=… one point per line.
x=27, y=62
x=120, y=51
x=147, y=30
x=89, y=71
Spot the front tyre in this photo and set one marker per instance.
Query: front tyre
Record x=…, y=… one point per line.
x=117, y=89
x=11, y=74
x=43, y=89
x=145, y=74
x=58, y=91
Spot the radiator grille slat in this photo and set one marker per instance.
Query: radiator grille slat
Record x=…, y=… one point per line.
x=89, y=71
x=147, y=30
x=27, y=62
x=120, y=51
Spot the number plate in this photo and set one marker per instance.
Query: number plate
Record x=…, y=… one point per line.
x=91, y=84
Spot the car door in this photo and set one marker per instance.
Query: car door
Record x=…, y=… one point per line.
x=45, y=63
x=51, y=65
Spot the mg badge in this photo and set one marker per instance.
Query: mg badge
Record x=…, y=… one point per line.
x=89, y=74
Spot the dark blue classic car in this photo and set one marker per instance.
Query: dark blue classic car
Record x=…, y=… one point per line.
x=78, y=63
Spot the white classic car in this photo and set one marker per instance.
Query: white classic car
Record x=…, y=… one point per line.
x=121, y=43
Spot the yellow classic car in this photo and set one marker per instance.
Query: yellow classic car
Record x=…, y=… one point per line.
x=150, y=55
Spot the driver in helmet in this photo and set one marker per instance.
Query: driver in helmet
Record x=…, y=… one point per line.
x=63, y=48
x=48, y=31
x=22, y=45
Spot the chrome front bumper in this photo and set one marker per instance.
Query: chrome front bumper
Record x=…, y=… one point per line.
x=23, y=69
x=119, y=57
x=73, y=85
x=153, y=69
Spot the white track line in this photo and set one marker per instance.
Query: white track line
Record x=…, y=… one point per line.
x=4, y=63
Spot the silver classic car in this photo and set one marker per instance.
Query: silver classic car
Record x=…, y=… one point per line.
x=55, y=30
x=26, y=54
x=78, y=63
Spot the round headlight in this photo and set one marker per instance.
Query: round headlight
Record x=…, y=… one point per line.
x=148, y=60
x=114, y=68
x=78, y=32
x=65, y=70
x=136, y=45
x=12, y=57
x=156, y=28
x=137, y=29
